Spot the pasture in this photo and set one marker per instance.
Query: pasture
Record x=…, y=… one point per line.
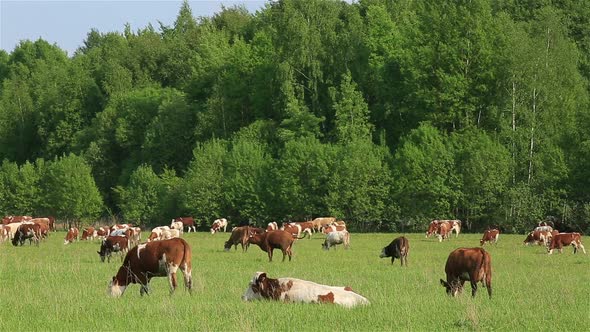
x=63, y=288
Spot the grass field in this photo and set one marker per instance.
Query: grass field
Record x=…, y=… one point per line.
x=63, y=288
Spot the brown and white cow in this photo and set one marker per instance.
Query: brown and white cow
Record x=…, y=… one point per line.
x=113, y=244
x=319, y=223
x=71, y=236
x=14, y=219
x=292, y=228
x=4, y=233
x=188, y=222
x=272, y=226
x=491, y=236
x=25, y=231
x=274, y=240
x=300, y=291
x=333, y=228
x=452, y=225
x=398, y=248
x=538, y=237
x=468, y=264
x=154, y=259
x=218, y=224
x=177, y=225
x=337, y=237
x=566, y=239
x=103, y=232
x=134, y=235
x=88, y=233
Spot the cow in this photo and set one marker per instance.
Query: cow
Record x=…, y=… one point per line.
x=103, y=232
x=154, y=259
x=170, y=234
x=177, y=225
x=443, y=231
x=14, y=219
x=319, y=223
x=120, y=226
x=566, y=239
x=134, y=235
x=188, y=222
x=333, y=228
x=4, y=233
x=306, y=225
x=538, y=237
x=292, y=228
x=239, y=235
x=113, y=244
x=12, y=228
x=300, y=291
x=452, y=225
x=544, y=228
x=25, y=231
x=219, y=224
x=272, y=226
x=274, y=240
x=71, y=236
x=337, y=237
x=398, y=248
x=89, y=233
x=468, y=264
x=491, y=236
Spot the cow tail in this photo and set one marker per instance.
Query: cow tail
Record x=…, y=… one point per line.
x=486, y=267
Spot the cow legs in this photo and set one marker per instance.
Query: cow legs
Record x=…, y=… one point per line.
x=582, y=247
x=270, y=255
x=188, y=277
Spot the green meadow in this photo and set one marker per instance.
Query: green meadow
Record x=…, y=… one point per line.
x=56, y=287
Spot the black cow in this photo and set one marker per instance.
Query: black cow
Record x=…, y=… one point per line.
x=113, y=244
x=398, y=248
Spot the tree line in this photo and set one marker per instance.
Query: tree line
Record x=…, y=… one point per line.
x=383, y=113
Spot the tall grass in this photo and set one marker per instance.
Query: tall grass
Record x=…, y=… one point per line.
x=55, y=287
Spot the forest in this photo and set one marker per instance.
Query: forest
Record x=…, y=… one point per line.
x=384, y=113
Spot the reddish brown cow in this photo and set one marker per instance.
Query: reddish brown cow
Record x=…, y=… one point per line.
x=12, y=219
x=71, y=236
x=491, y=236
x=154, y=259
x=239, y=235
x=566, y=239
x=468, y=264
x=188, y=222
x=274, y=240
x=88, y=233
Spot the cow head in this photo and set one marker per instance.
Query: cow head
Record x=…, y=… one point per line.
x=253, y=292
x=453, y=288
x=383, y=253
x=114, y=289
x=325, y=245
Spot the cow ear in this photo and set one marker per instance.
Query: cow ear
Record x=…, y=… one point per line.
x=261, y=277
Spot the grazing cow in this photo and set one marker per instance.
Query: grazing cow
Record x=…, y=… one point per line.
x=120, y=226
x=443, y=231
x=337, y=237
x=188, y=222
x=113, y=244
x=27, y=231
x=43, y=230
x=319, y=223
x=544, y=229
x=219, y=224
x=333, y=228
x=306, y=225
x=566, y=239
x=398, y=248
x=89, y=233
x=452, y=225
x=292, y=228
x=274, y=240
x=468, y=264
x=12, y=228
x=302, y=291
x=538, y=237
x=154, y=259
x=134, y=235
x=71, y=236
x=272, y=226
x=491, y=236
x=156, y=233
x=239, y=235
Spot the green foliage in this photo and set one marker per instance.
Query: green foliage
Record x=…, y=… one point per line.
x=381, y=112
x=69, y=189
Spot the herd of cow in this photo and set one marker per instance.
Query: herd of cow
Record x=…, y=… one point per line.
x=164, y=252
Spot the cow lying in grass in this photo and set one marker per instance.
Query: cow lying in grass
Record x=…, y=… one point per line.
x=297, y=290
x=153, y=259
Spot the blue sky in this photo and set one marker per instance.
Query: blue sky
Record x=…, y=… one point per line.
x=66, y=23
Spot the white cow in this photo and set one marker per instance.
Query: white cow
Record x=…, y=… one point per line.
x=297, y=290
x=169, y=234
x=177, y=225
x=336, y=237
